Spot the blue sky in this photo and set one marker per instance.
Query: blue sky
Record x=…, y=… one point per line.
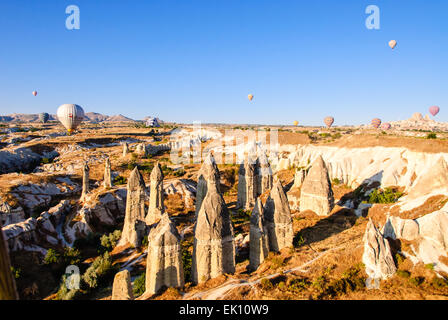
x=197, y=60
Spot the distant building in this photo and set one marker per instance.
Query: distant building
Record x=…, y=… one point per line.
x=152, y=122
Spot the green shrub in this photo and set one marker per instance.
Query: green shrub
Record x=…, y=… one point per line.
x=187, y=260
x=282, y=286
x=241, y=216
x=139, y=285
x=145, y=242
x=51, y=257
x=336, y=135
x=298, y=240
x=131, y=165
x=119, y=180
x=387, y=195
x=99, y=272
x=403, y=273
x=71, y=256
x=399, y=258
x=134, y=156
x=179, y=173
x=64, y=293
x=320, y=283
x=108, y=242
x=16, y=272
x=429, y=266
x=266, y=284
x=298, y=284
x=351, y=280
x=277, y=262
x=336, y=181
x=439, y=282
x=416, y=281
x=431, y=136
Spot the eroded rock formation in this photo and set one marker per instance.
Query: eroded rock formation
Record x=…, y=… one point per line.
x=122, y=288
x=278, y=219
x=125, y=149
x=377, y=255
x=156, y=208
x=214, y=247
x=7, y=283
x=258, y=243
x=134, y=220
x=247, y=184
x=107, y=175
x=435, y=178
x=85, y=181
x=265, y=175
x=294, y=192
x=164, y=261
x=316, y=193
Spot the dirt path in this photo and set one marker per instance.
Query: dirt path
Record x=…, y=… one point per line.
x=221, y=291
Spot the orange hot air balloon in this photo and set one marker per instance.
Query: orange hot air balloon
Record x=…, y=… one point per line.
x=34, y=93
x=376, y=122
x=250, y=96
x=296, y=123
x=392, y=43
x=329, y=121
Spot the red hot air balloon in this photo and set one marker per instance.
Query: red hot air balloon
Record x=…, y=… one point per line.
x=385, y=126
x=329, y=121
x=376, y=122
x=34, y=93
x=434, y=110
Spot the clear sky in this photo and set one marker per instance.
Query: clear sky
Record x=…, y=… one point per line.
x=197, y=60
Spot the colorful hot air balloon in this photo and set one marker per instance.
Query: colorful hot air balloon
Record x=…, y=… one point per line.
x=434, y=110
x=34, y=93
x=376, y=122
x=392, y=43
x=43, y=117
x=385, y=126
x=329, y=121
x=296, y=123
x=70, y=115
x=250, y=96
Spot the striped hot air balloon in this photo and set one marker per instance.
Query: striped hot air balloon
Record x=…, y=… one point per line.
x=376, y=122
x=70, y=115
x=329, y=121
x=385, y=126
x=250, y=97
x=43, y=117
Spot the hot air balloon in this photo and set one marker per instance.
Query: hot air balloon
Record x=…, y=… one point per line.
x=70, y=115
x=43, y=117
x=392, y=43
x=329, y=121
x=376, y=122
x=434, y=110
x=250, y=96
x=385, y=126
x=296, y=123
x=34, y=93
